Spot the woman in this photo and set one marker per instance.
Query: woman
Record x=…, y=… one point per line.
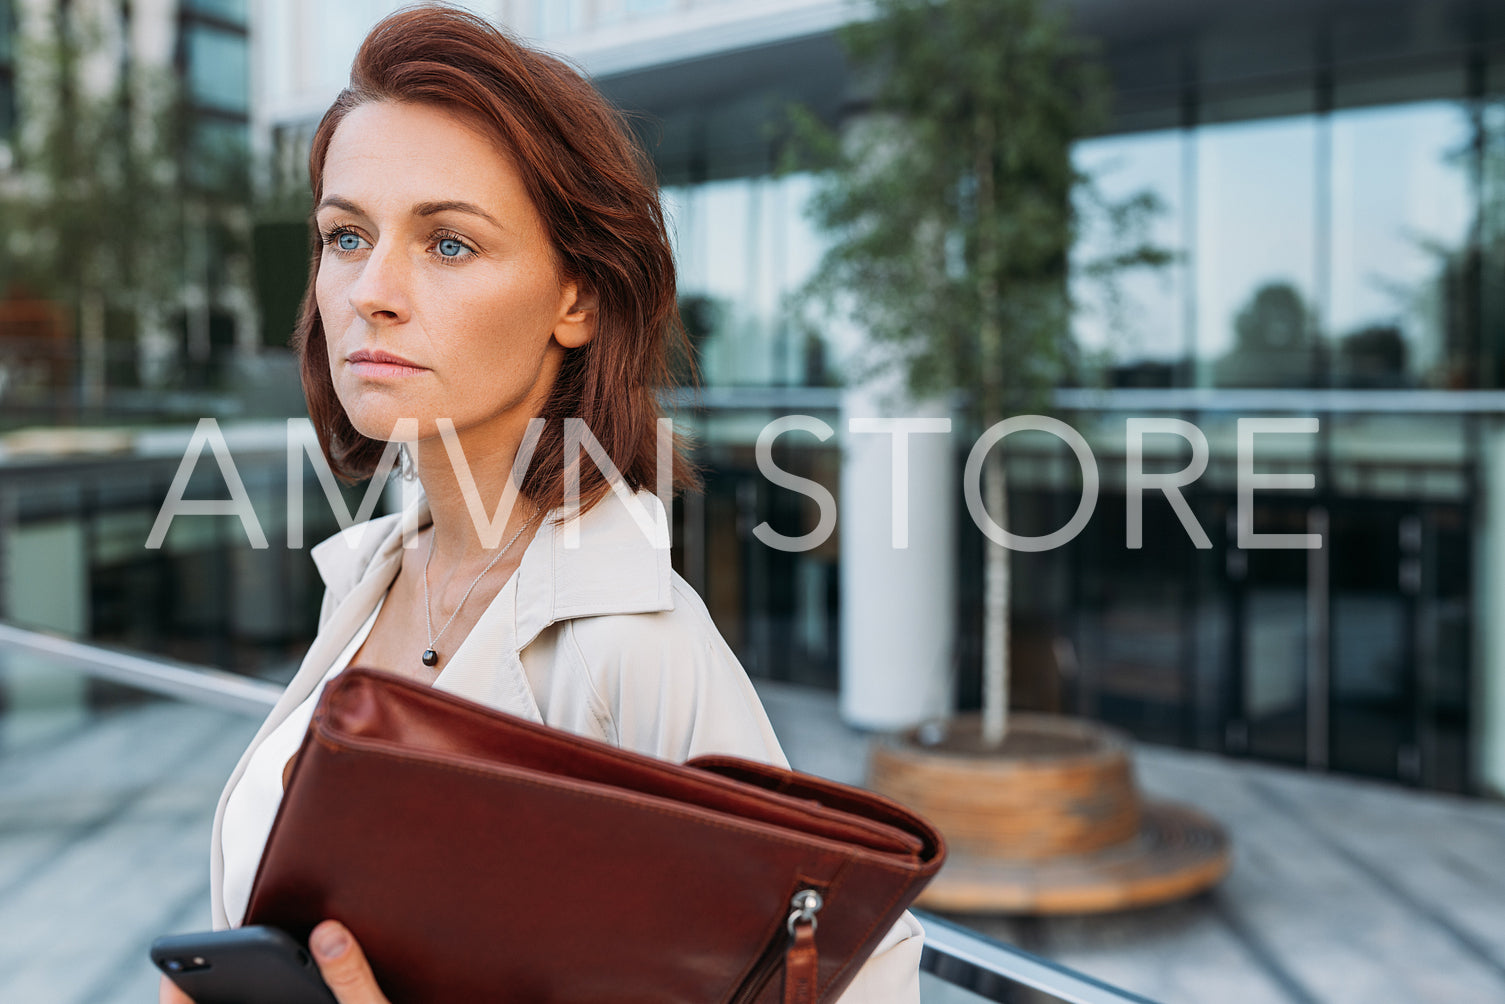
x=492, y=254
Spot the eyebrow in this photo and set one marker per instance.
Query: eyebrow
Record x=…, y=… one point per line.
x=421, y=209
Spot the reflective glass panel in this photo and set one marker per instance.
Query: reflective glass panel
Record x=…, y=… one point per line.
x=743, y=246
x=1256, y=254
x=226, y=10
x=217, y=68
x=1400, y=218
x=1491, y=364
x=219, y=153
x=714, y=244
x=7, y=106
x=1132, y=329
x=7, y=29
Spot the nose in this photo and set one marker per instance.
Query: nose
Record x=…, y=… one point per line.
x=380, y=293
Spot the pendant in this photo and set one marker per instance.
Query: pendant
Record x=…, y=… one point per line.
x=430, y=657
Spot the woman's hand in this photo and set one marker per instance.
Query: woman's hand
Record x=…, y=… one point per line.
x=341, y=962
x=168, y=993
x=344, y=965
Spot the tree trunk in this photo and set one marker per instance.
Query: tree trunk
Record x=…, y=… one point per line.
x=995, y=605
x=995, y=648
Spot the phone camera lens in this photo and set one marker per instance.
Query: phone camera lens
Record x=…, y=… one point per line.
x=174, y=965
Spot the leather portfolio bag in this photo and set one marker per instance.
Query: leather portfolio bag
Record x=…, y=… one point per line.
x=481, y=857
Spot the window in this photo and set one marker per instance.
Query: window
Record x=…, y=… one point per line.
x=217, y=71
x=7, y=70
x=1141, y=335
x=1256, y=254
x=233, y=11
x=218, y=154
x=743, y=246
x=1401, y=216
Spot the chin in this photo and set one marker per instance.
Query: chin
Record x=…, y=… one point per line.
x=382, y=423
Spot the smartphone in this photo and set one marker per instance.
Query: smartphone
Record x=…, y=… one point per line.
x=243, y=965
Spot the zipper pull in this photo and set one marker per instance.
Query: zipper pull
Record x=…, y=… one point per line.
x=801, y=962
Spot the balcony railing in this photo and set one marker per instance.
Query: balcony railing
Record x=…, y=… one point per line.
x=958, y=966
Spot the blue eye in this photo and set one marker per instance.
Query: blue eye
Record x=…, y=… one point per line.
x=451, y=248
x=348, y=241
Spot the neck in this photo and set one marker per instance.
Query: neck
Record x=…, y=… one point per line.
x=476, y=507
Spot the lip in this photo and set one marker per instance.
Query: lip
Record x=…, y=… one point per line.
x=375, y=362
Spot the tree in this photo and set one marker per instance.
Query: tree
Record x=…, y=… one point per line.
x=109, y=193
x=953, y=207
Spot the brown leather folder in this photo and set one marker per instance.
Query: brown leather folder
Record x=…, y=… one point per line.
x=481, y=857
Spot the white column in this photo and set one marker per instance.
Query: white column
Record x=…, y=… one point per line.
x=1489, y=578
x=897, y=604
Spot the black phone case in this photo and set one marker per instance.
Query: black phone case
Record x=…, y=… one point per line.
x=244, y=965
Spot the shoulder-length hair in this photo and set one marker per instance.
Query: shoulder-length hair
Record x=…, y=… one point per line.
x=596, y=191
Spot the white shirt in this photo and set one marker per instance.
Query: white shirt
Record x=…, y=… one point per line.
x=252, y=806
x=594, y=633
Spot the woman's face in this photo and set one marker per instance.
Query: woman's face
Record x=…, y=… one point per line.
x=438, y=288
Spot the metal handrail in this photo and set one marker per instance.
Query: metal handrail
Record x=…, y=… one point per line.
x=181, y=681
x=977, y=963
x=953, y=954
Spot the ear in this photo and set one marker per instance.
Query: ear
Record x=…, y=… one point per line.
x=577, y=325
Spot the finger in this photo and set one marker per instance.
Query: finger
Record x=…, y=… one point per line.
x=168, y=993
x=344, y=965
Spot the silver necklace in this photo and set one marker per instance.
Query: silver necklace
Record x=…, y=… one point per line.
x=430, y=654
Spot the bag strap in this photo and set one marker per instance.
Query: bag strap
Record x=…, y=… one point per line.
x=801, y=966
x=801, y=960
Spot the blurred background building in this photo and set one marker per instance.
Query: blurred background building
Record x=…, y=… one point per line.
x=127, y=312
x=110, y=109
x=1331, y=181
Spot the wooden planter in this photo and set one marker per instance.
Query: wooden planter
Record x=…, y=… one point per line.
x=1050, y=822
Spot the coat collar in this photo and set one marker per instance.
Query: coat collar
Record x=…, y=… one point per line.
x=611, y=559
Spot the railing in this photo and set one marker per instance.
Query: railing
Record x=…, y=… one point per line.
x=991, y=970
x=193, y=684
x=967, y=963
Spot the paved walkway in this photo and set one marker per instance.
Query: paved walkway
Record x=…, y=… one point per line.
x=1341, y=891
x=104, y=835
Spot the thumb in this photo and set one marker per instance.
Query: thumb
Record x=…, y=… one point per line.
x=168, y=993
x=343, y=965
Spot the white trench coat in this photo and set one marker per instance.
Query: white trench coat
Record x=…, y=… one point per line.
x=603, y=639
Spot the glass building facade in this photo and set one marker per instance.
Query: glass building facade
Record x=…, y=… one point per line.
x=1327, y=183
x=1328, y=178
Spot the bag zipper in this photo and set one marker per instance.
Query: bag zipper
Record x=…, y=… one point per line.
x=802, y=910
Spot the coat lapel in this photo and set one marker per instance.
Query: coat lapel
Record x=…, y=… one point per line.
x=605, y=564
x=486, y=668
